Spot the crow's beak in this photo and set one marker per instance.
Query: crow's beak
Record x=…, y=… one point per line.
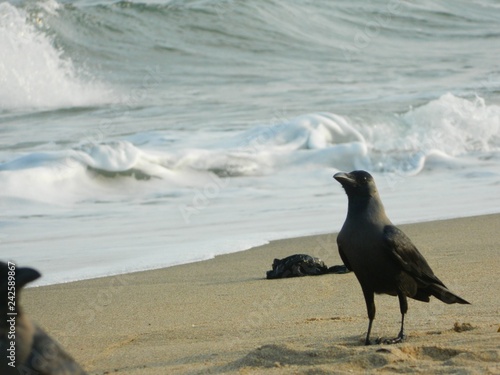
x=25, y=275
x=344, y=178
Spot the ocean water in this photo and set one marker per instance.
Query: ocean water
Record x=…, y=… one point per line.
x=137, y=135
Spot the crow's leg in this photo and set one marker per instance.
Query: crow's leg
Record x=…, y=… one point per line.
x=370, y=307
x=403, y=306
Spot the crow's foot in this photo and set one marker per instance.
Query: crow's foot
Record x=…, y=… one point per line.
x=396, y=340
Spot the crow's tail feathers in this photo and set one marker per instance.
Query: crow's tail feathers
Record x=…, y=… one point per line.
x=443, y=294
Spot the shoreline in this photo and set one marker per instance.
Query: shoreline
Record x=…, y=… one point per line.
x=39, y=283
x=222, y=316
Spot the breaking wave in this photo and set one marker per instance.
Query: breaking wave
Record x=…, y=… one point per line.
x=445, y=133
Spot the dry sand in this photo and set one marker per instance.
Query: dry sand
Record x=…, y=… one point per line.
x=222, y=316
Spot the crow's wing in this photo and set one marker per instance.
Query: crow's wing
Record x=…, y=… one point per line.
x=48, y=358
x=417, y=280
x=404, y=252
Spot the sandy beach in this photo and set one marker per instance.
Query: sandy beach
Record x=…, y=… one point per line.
x=221, y=316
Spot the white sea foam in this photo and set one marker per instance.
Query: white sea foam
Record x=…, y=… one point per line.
x=34, y=74
x=448, y=133
x=455, y=126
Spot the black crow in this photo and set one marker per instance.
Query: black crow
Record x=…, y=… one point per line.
x=25, y=347
x=381, y=256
